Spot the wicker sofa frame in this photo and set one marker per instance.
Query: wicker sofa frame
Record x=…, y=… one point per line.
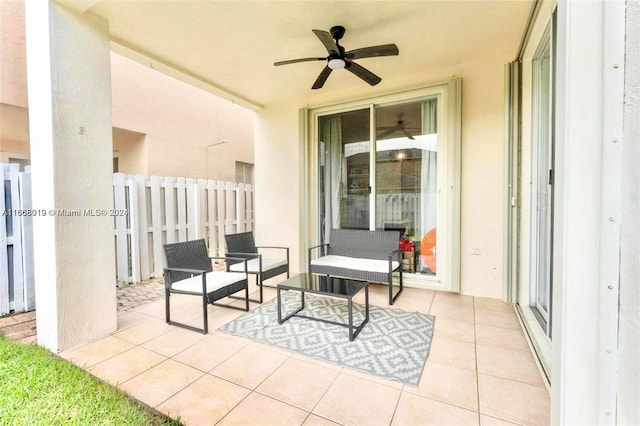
x=351, y=245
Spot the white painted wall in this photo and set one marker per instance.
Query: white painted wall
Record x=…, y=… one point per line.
x=278, y=146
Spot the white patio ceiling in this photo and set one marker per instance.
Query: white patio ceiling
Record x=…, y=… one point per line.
x=230, y=47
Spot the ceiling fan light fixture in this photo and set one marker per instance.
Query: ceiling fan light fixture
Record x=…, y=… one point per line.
x=336, y=63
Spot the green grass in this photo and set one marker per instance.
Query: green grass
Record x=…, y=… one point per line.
x=39, y=388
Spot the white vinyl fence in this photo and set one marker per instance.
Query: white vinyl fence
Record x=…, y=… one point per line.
x=161, y=210
x=149, y=211
x=17, y=290
x=398, y=208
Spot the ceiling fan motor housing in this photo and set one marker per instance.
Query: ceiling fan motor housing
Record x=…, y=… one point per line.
x=337, y=32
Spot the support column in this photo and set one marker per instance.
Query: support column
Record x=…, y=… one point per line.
x=69, y=85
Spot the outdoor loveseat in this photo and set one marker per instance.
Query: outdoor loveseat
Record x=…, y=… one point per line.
x=359, y=255
x=189, y=271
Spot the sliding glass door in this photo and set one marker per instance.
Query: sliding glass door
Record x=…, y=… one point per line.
x=387, y=165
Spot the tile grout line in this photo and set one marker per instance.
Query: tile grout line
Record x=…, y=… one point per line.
x=323, y=395
x=475, y=350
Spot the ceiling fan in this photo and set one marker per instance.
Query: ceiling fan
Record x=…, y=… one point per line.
x=338, y=58
x=400, y=126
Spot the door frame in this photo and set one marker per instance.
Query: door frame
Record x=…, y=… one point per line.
x=449, y=94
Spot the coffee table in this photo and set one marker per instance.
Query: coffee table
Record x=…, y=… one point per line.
x=328, y=287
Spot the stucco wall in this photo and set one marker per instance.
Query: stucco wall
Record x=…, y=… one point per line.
x=178, y=121
x=13, y=72
x=278, y=189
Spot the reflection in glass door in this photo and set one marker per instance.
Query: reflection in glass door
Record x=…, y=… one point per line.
x=344, y=178
x=406, y=180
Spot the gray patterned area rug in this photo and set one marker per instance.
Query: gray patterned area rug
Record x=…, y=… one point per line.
x=394, y=344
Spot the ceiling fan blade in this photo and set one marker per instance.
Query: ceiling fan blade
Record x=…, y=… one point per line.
x=324, y=74
x=363, y=73
x=328, y=41
x=386, y=133
x=372, y=51
x=407, y=134
x=293, y=61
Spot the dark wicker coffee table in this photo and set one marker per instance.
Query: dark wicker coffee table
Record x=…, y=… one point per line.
x=329, y=287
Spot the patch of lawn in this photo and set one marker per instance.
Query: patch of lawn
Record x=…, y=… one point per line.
x=37, y=387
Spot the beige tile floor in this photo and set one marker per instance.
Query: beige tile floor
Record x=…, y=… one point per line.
x=480, y=370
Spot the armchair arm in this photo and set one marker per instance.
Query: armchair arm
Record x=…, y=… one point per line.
x=274, y=247
x=193, y=272
x=239, y=257
x=323, y=246
x=235, y=259
x=399, y=253
x=187, y=270
x=324, y=251
x=243, y=255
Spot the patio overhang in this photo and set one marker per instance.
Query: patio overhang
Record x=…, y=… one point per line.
x=228, y=48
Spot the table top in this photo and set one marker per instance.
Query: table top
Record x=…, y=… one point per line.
x=323, y=285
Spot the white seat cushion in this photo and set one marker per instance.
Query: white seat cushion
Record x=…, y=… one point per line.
x=357, y=263
x=253, y=266
x=215, y=281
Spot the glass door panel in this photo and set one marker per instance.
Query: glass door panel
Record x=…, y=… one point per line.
x=406, y=180
x=344, y=172
x=540, y=296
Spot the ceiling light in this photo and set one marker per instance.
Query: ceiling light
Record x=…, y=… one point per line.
x=336, y=63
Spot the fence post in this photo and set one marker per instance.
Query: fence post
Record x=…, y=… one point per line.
x=156, y=226
x=211, y=218
x=120, y=222
x=201, y=207
x=248, y=194
x=220, y=222
x=182, y=209
x=4, y=261
x=169, y=209
x=18, y=276
x=240, y=201
x=24, y=180
x=135, y=228
x=229, y=192
x=192, y=210
x=143, y=225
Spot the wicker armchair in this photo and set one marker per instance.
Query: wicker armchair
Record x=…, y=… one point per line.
x=189, y=271
x=243, y=245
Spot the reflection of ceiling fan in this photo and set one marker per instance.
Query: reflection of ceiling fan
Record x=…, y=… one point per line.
x=400, y=127
x=339, y=58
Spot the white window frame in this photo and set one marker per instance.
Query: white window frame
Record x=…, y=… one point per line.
x=539, y=142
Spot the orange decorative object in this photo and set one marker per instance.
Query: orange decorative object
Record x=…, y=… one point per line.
x=428, y=249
